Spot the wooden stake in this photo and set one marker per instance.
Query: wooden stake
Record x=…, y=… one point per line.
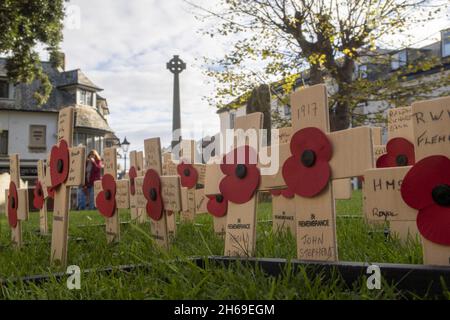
x=21, y=202
x=62, y=192
x=352, y=154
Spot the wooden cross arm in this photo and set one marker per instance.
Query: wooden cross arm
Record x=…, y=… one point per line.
x=273, y=181
x=77, y=156
x=122, y=194
x=170, y=192
x=352, y=152
x=213, y=176
x=382, y=198
x=352, y=155
x=201, y=170
x=22, y=205
x=200, y=201
x=378, y=151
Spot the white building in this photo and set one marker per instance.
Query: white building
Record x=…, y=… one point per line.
x=368, y=69
x=30, y=130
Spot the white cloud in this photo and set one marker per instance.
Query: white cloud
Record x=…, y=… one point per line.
x=123, y=46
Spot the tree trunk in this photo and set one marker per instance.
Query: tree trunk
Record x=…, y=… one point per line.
x=259, y=101
x=340, y=117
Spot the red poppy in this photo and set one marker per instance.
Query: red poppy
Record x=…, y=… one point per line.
x=242, y=175
x=59, y=164
x=13, y=203
x=426, y=187
x=188, y=175
x=399, y=153
x=38, y=200
x=51, y=192
x=152, y=192
x=307, y=172
x=217, y=206
x=133, y=175
x=106, y=199
x=287, y=193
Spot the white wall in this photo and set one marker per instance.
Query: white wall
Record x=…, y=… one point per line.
x=18, y=126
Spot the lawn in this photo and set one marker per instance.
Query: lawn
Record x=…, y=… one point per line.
x=169, y=279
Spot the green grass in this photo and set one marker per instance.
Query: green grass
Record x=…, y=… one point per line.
x=167, y=279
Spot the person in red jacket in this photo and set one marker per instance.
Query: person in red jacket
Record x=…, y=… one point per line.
x=94, y=166
x=92, y=173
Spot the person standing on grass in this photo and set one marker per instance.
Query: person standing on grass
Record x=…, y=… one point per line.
x=94, y=165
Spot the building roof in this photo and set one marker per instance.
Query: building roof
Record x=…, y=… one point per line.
x=76, y=78
x=87, y=117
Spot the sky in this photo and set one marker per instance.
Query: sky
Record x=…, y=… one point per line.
x=123, y=47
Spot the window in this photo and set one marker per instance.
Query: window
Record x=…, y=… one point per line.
x=38, y=141
x=3, y=142
x=86, y=98
x=399, y=60
x=4, y=89
x=232, y=119
x=362, y=71
x=287, y=111
x=445, y=38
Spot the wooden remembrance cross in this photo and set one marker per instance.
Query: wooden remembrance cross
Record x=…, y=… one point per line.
x=17, y=202
x=238, y=181
x=217, y=205
x=66, y=168
x=156, y=193
x=382, y=185
x=111, y=195
x=44, y=194
x=192, y=175
x=426, y=187
x=136, y=170
x=318, y=158
x=283, y=203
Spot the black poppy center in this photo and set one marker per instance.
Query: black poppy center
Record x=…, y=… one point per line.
x=401, y=160
x=13, y=202
x=153, y=194
x=39, y=192
x=441, y=195
x=241, y=171
x=108, y=194
x=187, y=172
x=219, y=198
x=60, y=166
x=308, y=158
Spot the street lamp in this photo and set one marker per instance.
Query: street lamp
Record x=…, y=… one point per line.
x=125, y=145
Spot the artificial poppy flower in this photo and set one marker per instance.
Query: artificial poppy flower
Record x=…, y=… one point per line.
x=217, y=205
x=152, y=192
x=59, y=164
x=133, y=175
x=242, y=175
x=399, y=153
x=188, y=175
x=287, y=193
x=426, y=187
x=38, y=199
x=307, y=172
x=106, y=199
x=51, y=192
x=13, y=203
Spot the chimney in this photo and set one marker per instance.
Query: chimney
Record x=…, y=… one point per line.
x=62, y=61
